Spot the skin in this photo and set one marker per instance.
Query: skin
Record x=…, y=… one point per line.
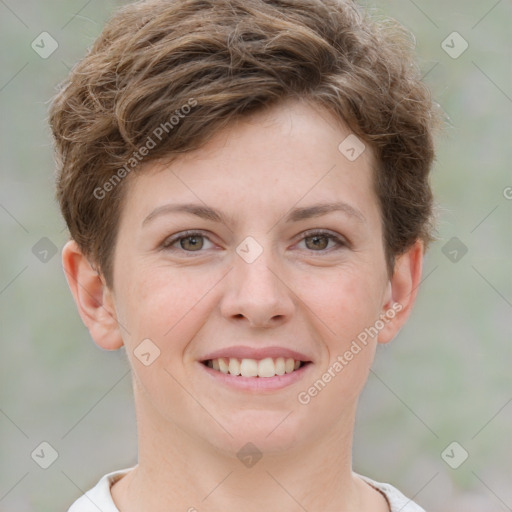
x=312, y=298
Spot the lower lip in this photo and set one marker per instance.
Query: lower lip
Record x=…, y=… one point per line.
x=257, y=383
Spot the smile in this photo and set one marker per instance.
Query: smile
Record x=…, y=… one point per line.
x=263, y=368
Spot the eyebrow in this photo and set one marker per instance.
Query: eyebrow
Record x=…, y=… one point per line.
x=318, y=210
x=294, y=215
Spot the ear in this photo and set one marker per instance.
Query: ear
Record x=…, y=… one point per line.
x=94, y=300
x=401, y=292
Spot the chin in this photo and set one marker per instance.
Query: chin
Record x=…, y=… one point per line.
x=260, y=431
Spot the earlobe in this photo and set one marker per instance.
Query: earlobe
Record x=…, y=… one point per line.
x=93, y=298
x=402, y=290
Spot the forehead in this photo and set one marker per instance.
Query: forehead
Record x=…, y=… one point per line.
x=294, y=154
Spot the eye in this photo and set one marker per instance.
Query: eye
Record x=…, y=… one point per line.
x=190, y=241
x=318, y=241
x=194, y=241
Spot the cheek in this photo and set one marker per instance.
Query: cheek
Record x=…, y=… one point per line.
x=345, y=300
x=346, y=306
x=165, y=305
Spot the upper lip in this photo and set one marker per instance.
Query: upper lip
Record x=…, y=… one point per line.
x=241, y=352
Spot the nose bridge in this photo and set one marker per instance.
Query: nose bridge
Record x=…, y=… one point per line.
x=256, y=290
x=254, y=267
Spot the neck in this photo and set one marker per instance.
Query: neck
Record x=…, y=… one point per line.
x=177, y=471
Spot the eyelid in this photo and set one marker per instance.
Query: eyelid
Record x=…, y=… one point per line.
x=325, y=232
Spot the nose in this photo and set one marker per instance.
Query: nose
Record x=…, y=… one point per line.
x=257, y=292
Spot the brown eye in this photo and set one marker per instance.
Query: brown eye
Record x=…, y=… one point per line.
x=317, y=242
x=192, y=243
x=187, y=242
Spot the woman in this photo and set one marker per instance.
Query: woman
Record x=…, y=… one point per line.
x=246, y=188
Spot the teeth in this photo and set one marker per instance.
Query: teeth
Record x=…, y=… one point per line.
x=280, y=366
x=234, y=366
x=289, y=365
x=267, y=367
x=248, y=367
x=223, y=365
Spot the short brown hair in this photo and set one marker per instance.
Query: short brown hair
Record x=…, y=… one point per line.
x=229, y=58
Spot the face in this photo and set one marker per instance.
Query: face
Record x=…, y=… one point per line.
x=255, y=275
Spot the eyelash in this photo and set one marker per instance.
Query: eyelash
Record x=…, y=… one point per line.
x=168, y=242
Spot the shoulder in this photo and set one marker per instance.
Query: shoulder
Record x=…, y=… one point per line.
x=99, y=497
x=397, y=501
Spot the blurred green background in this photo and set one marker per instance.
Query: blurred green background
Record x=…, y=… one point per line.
x=445, y=378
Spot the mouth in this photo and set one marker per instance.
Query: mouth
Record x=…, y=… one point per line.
x=256, y=368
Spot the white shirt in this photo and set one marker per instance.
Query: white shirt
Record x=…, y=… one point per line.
x=100, y=498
